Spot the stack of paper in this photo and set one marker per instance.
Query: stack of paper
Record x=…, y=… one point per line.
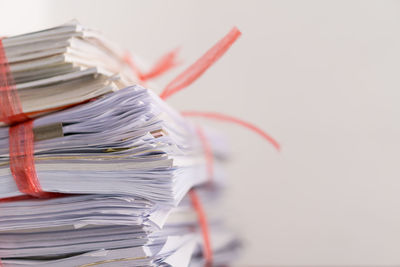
x=128, y=142
x=88, y=229
x=124, y=162
x=65, y=65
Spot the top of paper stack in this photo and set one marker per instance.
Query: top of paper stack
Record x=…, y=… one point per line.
x=65, y=65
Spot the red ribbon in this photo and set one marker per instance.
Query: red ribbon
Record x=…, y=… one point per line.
x=165, y=63
x=186, y=78
x=10, y=104
x=21, y=138
x=192, y=73
x=207, y=249
x=182, y=81
x=196, y=203
x=227, y=118
x=22, y=162
x=208, y=153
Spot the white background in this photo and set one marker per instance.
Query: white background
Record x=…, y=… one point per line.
x=322, y=77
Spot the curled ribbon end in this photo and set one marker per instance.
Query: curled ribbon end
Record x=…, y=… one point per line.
x=227, y=118
x=272, y=141
x=278, y=148
x=193, y=72
x=235, y=32
x=165, y=63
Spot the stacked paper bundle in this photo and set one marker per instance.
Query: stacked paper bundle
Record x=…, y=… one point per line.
x=62, y=66
x=94, y=168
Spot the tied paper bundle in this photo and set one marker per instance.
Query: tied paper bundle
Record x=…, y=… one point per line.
x=63, y=66
x=128, y=142
x=105, y=172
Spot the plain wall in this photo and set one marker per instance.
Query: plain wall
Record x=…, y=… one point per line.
x=322, y=77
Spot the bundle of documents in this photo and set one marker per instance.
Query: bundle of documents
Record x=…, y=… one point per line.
x=127, y=142
x=120, y=160
x=90, y=229
x=65, y=65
